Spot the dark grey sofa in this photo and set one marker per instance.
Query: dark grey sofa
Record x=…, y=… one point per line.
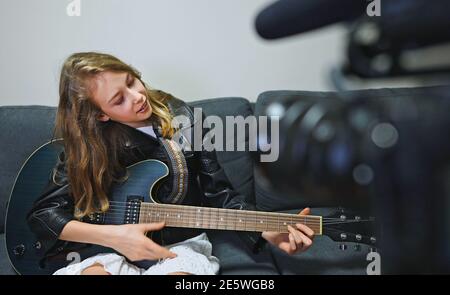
x=25, y=128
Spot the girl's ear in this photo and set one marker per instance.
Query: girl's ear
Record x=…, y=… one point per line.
x=103, y=117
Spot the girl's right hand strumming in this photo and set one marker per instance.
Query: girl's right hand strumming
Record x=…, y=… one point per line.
x=131, y=241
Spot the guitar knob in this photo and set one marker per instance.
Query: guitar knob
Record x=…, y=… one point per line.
x=343, y=247
x=358, y=237
x=357, y=248
x=19, y=250
x=343, y=236
x=37, y=245
x=373, y=240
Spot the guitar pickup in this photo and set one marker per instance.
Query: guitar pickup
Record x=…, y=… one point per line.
x=133, y=209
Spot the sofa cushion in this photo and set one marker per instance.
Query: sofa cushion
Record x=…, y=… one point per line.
x=236, y=258
x=22, y=130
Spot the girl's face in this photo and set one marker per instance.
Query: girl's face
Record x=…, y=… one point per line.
x=122, y=98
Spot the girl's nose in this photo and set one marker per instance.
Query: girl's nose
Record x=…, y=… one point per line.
x=139, y=98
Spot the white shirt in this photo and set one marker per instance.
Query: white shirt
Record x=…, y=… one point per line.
x=147, y=129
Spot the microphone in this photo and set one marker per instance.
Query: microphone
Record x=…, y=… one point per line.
x=288, y=17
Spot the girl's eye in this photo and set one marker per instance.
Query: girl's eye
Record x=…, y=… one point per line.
x=119, y=101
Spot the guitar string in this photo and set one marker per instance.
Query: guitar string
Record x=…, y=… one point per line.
x=121, y=210
x=120, y=215
x=192, y=211
x=128, y=204
x=193, y=215
x=270, y=224
x=267, y=217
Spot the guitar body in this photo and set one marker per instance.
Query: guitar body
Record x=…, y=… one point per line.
x=22, y=245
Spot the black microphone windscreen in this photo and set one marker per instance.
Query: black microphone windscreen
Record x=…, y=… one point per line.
x=288, y=17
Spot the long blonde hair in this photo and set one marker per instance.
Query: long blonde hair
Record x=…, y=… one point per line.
x=92, y=147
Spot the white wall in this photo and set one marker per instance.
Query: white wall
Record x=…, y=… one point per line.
x=192, y=48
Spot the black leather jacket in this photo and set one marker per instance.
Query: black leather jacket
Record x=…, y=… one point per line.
x=208, y=186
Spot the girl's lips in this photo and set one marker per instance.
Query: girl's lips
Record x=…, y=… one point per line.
x=143, y=108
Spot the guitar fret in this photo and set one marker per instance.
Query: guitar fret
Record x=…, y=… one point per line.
x=191, y=219
x=234, y=218
x=267, y=224
x=278, y=222
x=209, y=218
x=203, y=216
x=245, y=223
x=196, y=221
x=241, y=219
x=205, y=222
x=219, y=220
x=228, y=219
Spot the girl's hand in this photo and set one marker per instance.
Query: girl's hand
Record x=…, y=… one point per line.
x=298, y=239
x=131, y=241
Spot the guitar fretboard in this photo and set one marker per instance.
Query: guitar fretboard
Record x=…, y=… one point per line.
x=224, y=219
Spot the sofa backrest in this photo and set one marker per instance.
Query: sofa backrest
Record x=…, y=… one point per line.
x=238, y=165
x=25, y=128
x=22, y=130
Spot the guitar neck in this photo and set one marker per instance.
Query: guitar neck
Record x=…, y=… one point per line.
x=224, y=219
